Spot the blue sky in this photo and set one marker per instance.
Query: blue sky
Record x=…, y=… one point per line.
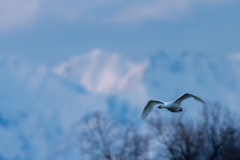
x=52, y=31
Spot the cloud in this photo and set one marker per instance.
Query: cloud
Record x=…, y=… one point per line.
x=156, y=10
x=14, y=13
x=102, y=72
x=235, y=56
x=127, y=11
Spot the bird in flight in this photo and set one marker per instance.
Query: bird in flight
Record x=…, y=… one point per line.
x=173, y=106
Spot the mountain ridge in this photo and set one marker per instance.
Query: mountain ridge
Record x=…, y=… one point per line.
x=39, y=107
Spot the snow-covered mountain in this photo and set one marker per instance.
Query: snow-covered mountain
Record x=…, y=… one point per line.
x=101, y=72
x=41, y=107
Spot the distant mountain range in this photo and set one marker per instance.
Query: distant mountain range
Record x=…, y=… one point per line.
x=41, y=107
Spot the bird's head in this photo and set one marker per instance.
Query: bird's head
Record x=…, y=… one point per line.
x=160, y=106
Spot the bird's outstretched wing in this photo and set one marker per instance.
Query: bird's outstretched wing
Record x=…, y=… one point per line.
x=188, y=95
x=148, y=108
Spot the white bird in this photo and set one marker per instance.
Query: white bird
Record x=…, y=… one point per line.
x=173, y=106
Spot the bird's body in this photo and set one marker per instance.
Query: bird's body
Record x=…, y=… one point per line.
x=173, y=106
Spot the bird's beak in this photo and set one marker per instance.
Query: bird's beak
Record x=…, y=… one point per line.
x=159, y=106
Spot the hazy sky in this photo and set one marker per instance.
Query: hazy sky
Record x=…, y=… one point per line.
x=52, y=31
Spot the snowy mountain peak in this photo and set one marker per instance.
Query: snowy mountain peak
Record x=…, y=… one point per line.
x=40, y=111
x=102, y=72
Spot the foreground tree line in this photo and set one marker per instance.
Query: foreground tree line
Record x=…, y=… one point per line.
x=214, y=135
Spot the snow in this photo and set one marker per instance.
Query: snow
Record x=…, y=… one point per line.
x=101, y=72
x=41, y=107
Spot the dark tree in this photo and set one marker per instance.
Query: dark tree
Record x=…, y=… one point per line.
x=222, y=133
x=102, y=139
x=215, y=136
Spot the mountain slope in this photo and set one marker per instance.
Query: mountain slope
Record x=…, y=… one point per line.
x=41, y=108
